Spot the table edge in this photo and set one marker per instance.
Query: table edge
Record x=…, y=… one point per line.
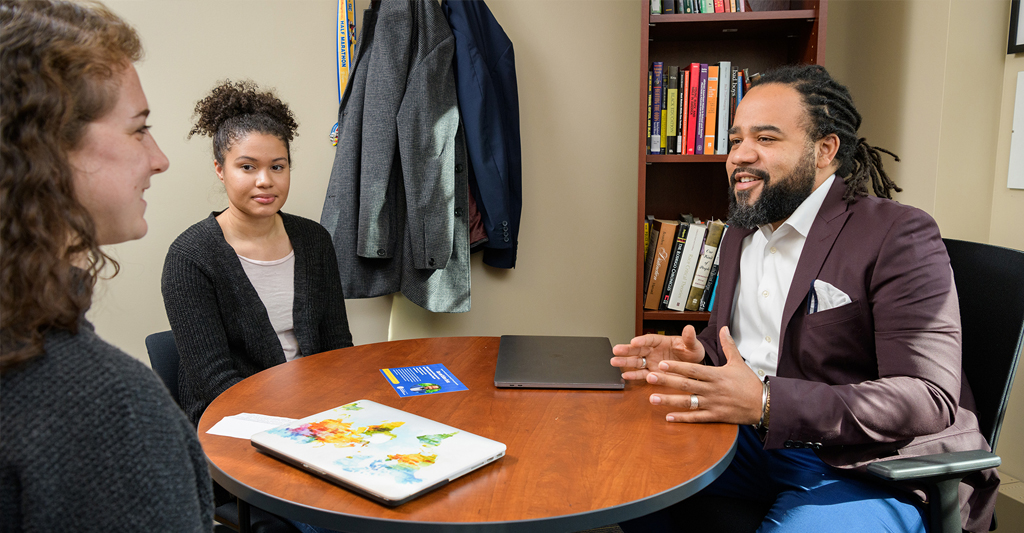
x=571, y=522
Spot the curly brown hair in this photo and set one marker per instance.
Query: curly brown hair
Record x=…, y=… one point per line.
x=233, y=110
x=60, y=61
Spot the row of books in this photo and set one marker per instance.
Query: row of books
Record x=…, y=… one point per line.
x=690, y=109
x=670, y=7
x=681, y=263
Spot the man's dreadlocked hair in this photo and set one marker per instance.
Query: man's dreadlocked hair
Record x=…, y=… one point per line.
x=830, y=110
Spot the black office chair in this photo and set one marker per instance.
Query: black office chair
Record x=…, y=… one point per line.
x=163, y=357
x=990, y=285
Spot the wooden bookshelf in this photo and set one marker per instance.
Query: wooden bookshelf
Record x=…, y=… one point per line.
x=668, y=185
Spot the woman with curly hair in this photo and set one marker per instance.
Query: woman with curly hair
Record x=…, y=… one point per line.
x=249, y=287
x=92, y=441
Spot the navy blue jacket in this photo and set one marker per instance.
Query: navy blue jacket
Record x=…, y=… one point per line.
x=485, y=79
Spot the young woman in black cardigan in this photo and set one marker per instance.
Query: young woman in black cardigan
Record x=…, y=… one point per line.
x=249, y=287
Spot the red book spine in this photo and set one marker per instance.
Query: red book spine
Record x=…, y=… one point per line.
x=691, y=112
x=702, y=103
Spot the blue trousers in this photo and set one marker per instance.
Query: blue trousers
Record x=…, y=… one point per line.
x=801, y=493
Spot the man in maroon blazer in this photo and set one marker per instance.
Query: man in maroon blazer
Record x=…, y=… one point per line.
x=846, y=325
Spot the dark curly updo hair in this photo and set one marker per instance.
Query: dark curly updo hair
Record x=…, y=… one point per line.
x=233, y=110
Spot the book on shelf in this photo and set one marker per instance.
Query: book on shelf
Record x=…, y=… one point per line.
x=668, y=7
x=706, y=300
x=648, y=256
x=714, y=291
x=655, y=7
x=672, y=115
x=693, y=97
x=711, y=113
x=673, y=268
x=647, y=236
x=733, y=96
x=722, y=136
x=719, y=6
x=650, y=81
x=684, y=83
x=709, y=287
x=702, y=107
x=658, y=74
x=661, y=251
x=664, y=111
x=740, y=86
x=707, y=257
x=687, y=266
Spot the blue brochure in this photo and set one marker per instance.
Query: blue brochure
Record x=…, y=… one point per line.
x=422, y=380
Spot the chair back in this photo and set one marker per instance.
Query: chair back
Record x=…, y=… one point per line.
x=163, y=357
x=990, y=284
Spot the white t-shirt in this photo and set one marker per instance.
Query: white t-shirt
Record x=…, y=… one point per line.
x=274, y=281
x=768, y=261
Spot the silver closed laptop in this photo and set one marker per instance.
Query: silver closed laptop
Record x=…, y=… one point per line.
x=379, y=452
x=550, y=362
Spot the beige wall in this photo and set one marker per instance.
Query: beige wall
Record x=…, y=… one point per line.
x=934, y=84
x=930, y=76
x=577, y=65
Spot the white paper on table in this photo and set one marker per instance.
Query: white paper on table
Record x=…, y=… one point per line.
x=245, y=425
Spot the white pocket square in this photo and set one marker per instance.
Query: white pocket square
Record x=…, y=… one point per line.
x=824, y=296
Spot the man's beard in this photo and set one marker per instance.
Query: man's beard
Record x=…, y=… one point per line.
x=777, y=200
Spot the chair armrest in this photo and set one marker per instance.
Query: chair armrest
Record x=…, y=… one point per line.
x=941, y=465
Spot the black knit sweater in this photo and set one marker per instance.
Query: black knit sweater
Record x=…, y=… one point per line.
x=92, y=441
x=221, y=326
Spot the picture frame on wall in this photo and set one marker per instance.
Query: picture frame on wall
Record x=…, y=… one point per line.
x=1016, y=42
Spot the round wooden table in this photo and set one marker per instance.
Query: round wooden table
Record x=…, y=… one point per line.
x=576, y=459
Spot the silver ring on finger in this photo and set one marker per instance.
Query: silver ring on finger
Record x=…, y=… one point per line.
x=694, y=403
x=643, y=363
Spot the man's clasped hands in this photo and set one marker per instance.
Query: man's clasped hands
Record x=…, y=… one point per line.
x=730, y=393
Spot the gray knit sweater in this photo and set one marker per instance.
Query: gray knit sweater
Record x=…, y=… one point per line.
x=220, y=325
x=92, y=441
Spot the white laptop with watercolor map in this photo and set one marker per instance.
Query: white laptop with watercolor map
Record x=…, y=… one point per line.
x=385, y=454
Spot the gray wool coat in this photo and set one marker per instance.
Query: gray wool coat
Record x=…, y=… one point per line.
x=397, y=201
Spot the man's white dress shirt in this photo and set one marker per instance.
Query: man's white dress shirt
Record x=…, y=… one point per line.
x=768, y=260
